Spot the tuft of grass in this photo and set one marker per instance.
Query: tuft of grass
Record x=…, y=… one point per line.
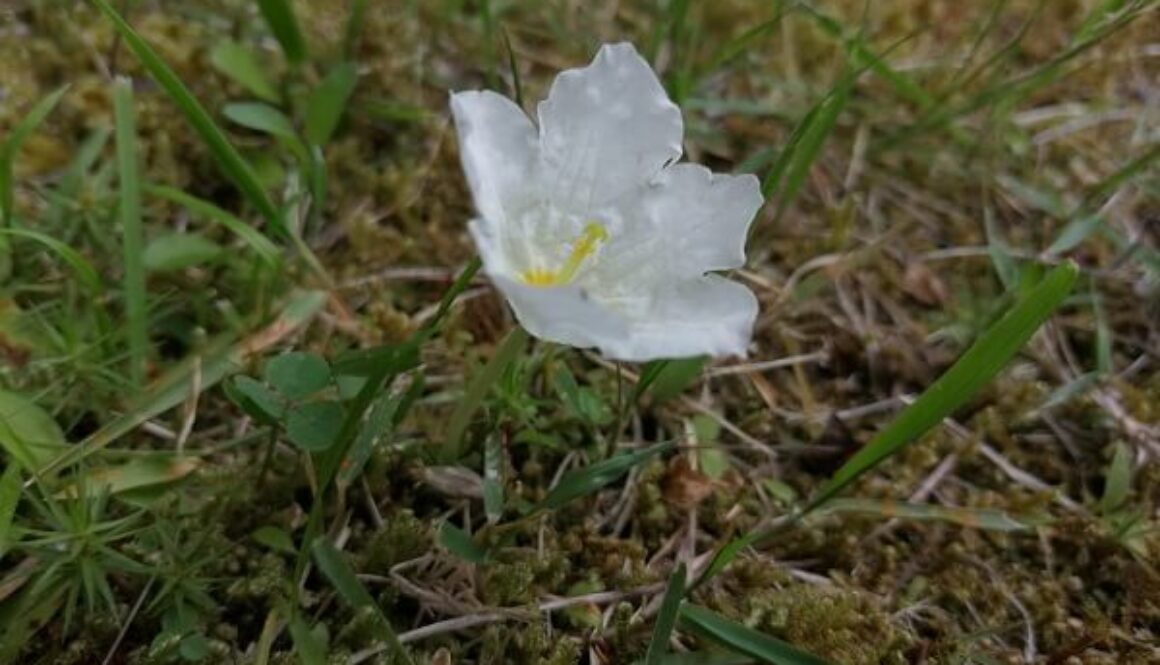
x=11, y=147
x=232, y=163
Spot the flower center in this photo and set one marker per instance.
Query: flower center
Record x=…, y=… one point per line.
x=583, y=247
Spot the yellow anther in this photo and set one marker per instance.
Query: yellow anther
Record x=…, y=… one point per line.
x=594, y=234
x=538, y=277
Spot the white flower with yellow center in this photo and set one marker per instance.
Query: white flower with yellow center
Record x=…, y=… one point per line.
x=590, y=230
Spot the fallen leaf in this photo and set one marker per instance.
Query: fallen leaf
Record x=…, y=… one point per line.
x=685, y=487
x=922, y=284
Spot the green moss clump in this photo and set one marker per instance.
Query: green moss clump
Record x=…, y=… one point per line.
x=843, y=626
x=530, y=644
x=402, y=538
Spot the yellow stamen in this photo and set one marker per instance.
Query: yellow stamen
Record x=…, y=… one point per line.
x=538, y=277
x=594, y=234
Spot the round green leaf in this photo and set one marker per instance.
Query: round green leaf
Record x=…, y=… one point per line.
x=261, y=403
x=28, y=434
x=314, y=426
x=298, y=374
x=177, y=251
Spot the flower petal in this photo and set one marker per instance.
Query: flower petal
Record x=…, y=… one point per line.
x=688, y=222
x=606, y=129
x=563, y=314
x=499, y=149
x=709, y=315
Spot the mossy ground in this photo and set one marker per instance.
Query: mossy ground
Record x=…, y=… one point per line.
x=889, y=261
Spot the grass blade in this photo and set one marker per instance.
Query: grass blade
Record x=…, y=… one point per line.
x=705, y=658
x=382, y=366
x=380, y=422
x=280, y=17
x=11, y=146
x=975, y=518
x=217, y=361
x=1119, y=178
x=590, y=479
x=460, y=543
x=310, y=649
x=1117, y=480
x=332, y=564
x=510, y=349
x=354, y=26
x=239, y=63
x=232, y=164
x=261, y=117
x=9, y=497
x=81, y=267
x=493, y=488
x=666, y=618
x=789, y=171
x=328, y=102
x=266, y=250
x=862, y=57
x=981, y=362
x=743, y=639
x=517, y=86
x=132, y=229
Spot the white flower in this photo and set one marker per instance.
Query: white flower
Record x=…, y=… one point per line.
x=590, y=230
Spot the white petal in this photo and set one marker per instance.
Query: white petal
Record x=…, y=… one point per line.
x=489, y=242
x=606, y=129
x=563, y=314
x=499, y=148
x=710, y=315
x=688, y=222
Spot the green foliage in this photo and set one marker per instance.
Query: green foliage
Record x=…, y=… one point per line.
x=28, y=434
x=590, y=479
x=509, y=350
x=283, y=23
x=978, y=365
x=233, y=165
x=242, y=65
x=583, y=401
x=332, y=564
x=11, y=147
x=10, y=483
x=667, y=617
x=297, y=375
x=742, y=639
x=172, y=516
x=178, y=251
x=1117, y=479
x=314, y=426
x=666, y=379
x=328, y=101
x=132, y=229
x=308, y=644
x=788, y=172
x=459, y=542
x=293, y=397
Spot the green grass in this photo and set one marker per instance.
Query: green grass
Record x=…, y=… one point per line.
x=347, y=452
x=132, y=230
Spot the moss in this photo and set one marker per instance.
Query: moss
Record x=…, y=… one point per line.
x=832, y=623
x=527, y=644
x=402, y=538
